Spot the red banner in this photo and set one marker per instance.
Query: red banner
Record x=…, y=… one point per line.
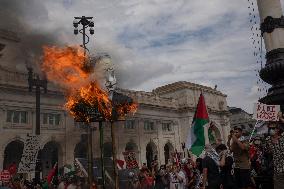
x=130, y=159
x=5, y=176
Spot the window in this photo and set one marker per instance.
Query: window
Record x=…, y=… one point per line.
x=50, y=119
x=167, y=127
x=129, y=124
x=17, y=116
x=148, y=126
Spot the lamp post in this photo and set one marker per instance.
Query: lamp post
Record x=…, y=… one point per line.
x=86, y=22
x=37, y=83
x=118, y=99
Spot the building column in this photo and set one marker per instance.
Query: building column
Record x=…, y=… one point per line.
x=141, y=145
x=178, y=139
x=160, y=142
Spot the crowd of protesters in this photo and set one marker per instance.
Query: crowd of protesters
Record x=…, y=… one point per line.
x=241, y=163
x=73, y=182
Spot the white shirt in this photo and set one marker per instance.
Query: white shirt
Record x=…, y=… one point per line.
x=61, y=185
x=175, y=183
x=72, y=186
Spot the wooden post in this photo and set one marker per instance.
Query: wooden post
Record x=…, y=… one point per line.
x=116, y=183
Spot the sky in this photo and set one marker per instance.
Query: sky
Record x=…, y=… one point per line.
x=156, y=42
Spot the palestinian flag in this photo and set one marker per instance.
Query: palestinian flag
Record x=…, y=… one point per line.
x=196, y=137
x=52, y=173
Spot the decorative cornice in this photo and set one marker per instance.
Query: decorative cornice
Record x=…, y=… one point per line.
x=270, y=23
x=10, y=35
x=2, y=46
x=185, y=85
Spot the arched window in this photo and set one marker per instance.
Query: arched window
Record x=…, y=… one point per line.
x=80, y=150
x=131, y=146
x=168, y=150
x=13, y=153
x=49, y=156
x=151, y=153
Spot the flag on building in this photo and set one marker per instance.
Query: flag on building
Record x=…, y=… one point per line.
x=196, y=137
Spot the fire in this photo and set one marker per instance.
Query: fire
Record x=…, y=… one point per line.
x=124, y=109
x=69, y=68
x=91, y=96
x=65, y=66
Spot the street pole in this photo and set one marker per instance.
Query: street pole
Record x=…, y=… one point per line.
x=102, y=152
x=86, y=22
x=38, y=83
x=116, y=186
x=90, y=155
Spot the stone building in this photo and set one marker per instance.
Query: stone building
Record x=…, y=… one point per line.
x=159, y=126
x=242, y=119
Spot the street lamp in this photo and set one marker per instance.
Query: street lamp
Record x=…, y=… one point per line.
x=87, y=22
x=37, y=83
x=91, y=111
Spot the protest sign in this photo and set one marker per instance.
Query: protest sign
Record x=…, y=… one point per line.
x=130, y=159
x=5, y=176
x=29, y=157
x=264, y=112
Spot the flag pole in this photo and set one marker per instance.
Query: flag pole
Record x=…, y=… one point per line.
x=250, y=137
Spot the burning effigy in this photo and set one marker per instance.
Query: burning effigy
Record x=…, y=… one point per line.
x=86, y=98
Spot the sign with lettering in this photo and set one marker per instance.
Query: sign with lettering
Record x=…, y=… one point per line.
x=264, y=112
x=130, y=159
x=29, y=156
x=5, y=176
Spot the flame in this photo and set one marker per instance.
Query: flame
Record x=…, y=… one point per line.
x=69, y=68
x=124, y=109
x=92, y=96
x=65, y=66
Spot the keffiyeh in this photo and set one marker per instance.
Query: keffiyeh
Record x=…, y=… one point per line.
x=211, y=152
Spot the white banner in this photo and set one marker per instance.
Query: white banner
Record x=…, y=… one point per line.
x=29, y=157
x=264, y=112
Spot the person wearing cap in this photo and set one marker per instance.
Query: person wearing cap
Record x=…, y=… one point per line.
x=274, y=144
x=240, y=148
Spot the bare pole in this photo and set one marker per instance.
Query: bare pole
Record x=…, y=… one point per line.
x=38, y=84
x=90, y=155
x=102, y=152
x=116, y=185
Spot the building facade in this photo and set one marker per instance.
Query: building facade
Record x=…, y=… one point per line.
x=240, y=118
x=160, y=125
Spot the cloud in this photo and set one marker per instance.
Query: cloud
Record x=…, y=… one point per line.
x=156, y=42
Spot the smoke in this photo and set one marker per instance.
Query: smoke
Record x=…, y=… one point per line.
x=22, y=18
